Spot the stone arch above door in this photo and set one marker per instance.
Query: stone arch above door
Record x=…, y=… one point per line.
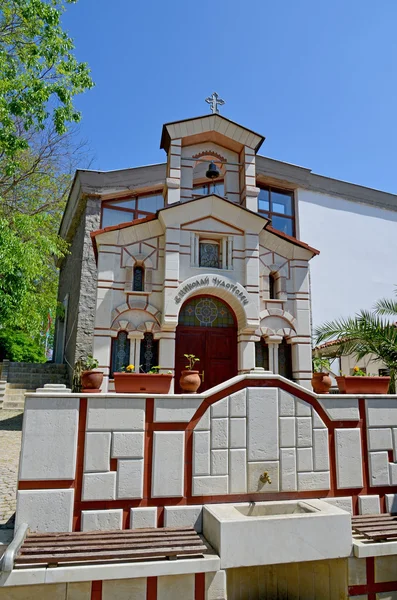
x=243, y=304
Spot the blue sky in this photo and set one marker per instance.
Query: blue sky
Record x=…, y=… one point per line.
x=318, y=78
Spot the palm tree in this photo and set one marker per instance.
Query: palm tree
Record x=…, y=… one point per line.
x=386, y=306
x=366, y=333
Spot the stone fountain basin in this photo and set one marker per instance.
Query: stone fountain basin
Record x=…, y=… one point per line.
x=266, y=533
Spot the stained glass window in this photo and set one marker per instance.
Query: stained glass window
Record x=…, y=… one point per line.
x=138, y=279
x=149, y=355
x=206, y=312
x=120, y=352
x=262, y=355
x=209, y=255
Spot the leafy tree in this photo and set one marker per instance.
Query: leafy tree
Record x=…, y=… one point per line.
x=364, y=334
x=19, y=346
x=39, y=77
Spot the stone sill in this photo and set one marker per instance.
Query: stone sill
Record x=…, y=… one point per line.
x=364, y=548
x=263, y=375
x=61, y=574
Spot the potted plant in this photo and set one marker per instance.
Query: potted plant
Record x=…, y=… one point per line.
x=190, y=379
x=367, y=334
x=128, y=381
x=361, y=383
x=321, y=381
x=91, y=380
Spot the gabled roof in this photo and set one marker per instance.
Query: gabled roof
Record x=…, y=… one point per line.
x=190, y=129
x=266, y=223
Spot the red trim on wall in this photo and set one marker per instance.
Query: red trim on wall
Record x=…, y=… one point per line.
x=188, y=499
x=147, y=475
x=371, y=588
x=79, y=464
x=96, y=590
x=151, y=588
x=199, y=586
x=46, y=484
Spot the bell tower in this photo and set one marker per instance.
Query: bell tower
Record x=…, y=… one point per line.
x=211, y=155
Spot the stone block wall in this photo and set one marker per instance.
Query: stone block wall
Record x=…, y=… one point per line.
x=118, y=461
x=78, y=283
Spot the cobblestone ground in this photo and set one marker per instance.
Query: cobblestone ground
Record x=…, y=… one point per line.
x=10, y=445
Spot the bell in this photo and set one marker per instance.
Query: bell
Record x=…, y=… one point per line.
x=212, y=172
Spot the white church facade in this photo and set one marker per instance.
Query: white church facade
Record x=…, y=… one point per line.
x=207, y=274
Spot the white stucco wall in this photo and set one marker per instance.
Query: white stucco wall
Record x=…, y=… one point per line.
x=358, y=246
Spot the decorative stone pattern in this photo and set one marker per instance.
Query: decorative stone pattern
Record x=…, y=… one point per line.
x=115, y=430
x=382, y=440
x=258, y=430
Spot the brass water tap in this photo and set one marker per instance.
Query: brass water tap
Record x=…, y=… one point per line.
x=265, y=477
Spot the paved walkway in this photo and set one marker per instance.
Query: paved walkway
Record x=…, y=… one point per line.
x=10, y=445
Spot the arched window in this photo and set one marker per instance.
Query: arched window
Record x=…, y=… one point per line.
x=138, y=279
x=206, y=312
x=285, y=359
x=120, y=352
x=272, y=287
x=262, y=354
x=149, y=353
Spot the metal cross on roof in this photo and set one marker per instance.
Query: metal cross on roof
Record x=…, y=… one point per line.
x=215, y=101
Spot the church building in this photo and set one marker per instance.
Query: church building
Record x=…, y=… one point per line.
x=206, y=255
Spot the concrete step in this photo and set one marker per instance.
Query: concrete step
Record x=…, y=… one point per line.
x=36, y=368
x=9, y=405
x=39, y=381
x=19, y=386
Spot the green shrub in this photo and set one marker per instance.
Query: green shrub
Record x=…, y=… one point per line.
x=18, y=346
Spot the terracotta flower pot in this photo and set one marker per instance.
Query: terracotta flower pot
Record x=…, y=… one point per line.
x=190, y=381
x=91, y=381
x=321, y=382
x=354, y=384
x=341, y=384
x=140, y=383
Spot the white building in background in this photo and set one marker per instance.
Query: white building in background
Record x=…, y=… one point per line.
x=164, y=257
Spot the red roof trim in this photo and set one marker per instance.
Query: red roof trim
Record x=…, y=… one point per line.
x=290, y=238
x=123, y=225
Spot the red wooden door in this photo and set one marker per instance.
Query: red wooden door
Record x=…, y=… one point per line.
x=216, y=348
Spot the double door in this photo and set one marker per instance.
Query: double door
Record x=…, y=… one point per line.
x=215, y=347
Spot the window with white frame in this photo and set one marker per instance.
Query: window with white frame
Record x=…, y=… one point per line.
x=211, y=252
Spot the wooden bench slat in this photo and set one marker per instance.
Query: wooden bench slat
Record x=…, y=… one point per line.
x=114, y=540
x=374, y=520
x=380, y=535
x=75, y=534
x=130, y=554
x=370, y=528
x=109, y=539
x=91, y=548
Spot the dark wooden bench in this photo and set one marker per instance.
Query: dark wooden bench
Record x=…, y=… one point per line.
x=43, y=549
x=376, y=527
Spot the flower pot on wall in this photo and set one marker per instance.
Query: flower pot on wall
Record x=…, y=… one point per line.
x=321, y=383
x=351, y=384
x=340, y=380
x=190, y=381
x=140, y=383
x=91, y=381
